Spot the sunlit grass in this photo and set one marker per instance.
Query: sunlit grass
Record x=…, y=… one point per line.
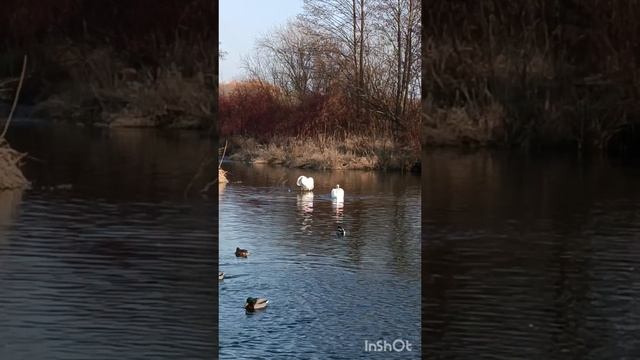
x=321, y=152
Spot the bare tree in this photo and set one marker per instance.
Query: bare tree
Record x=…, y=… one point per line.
x=295, y=61
x=397, y=25
x=368, y=50
x=346, y=22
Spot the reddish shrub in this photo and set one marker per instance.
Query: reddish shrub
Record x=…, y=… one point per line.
x=261, y=111
x=249, y=108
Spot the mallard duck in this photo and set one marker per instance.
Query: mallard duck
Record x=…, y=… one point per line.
x=337, y=194
x=220, y=275
x=341, y=231
x=305, y=183
x=255, y=304
x=241, y=252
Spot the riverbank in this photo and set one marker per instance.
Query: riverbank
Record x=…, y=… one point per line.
x=99, y=87
x=101, y=64
x=537, y=78
x=325, y=153
x=172, y=100
x=492, y=127
x=11, y=177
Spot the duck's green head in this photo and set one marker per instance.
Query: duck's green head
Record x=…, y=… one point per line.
x=251, y=300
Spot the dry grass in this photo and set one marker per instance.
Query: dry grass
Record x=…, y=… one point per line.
x=465, y=125
x=321, y=152
x=172, y=100
x=11, y=176
x=103, y=89
x=222, y=176
x=566, y=88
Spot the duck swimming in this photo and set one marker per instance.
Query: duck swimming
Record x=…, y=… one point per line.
x=241, y=252
x=254, y=304
x=305, y=183
x=341, y=231
x=337, y=194
x=220, y=275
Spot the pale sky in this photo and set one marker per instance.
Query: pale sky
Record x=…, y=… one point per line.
x=242, y=22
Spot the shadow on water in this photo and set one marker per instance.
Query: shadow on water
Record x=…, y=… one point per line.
x=327, y=293
x=116, y=263
x=9, y=206
x=119, y=164
x=530, y=257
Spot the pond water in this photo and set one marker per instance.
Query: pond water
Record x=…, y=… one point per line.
x=530, y=258
x=116, y=263
x=328, y=294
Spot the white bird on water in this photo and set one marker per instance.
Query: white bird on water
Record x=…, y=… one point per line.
x=337, y=194
x=305, y=183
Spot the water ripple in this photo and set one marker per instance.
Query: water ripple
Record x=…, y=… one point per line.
x=327, y=293
x=530, y=259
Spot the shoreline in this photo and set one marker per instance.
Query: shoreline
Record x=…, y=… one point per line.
x=131, y=105
x=533, y=149
x=352, y=153
x=415, y=170
x=11, y=176
x=97, y=85
x=26, y=113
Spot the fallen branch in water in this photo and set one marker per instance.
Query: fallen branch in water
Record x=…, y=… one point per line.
x=15, y=99
x=222, y=176
x=223, y=152
x=203, y=164
x=206, y=188
x=10, y=175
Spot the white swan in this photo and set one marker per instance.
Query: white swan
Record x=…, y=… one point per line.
x=337, y=194
x=305, y=183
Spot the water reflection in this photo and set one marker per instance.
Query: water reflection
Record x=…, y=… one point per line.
x=305, y=208
x=528, y=255
x=319, y=284
x=221, y=187
x=118, y=266
x=305, y=201
x=141, y=163
x=9, y=205
x=338, y=211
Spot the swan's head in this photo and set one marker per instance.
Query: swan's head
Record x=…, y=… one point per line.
x=338, y=186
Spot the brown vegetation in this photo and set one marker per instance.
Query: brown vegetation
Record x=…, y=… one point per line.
x=336, y=88
x=222, y=176
x=535, y=74
x=11, y=176
x=110, y=63
x=326, y=153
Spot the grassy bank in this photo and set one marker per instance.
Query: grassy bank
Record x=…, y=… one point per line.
x=110, y=64
x=325, y=153
x=103, y=89
x=11, y=176
x=99, y=86
x=337, y=87
x=547, y=74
